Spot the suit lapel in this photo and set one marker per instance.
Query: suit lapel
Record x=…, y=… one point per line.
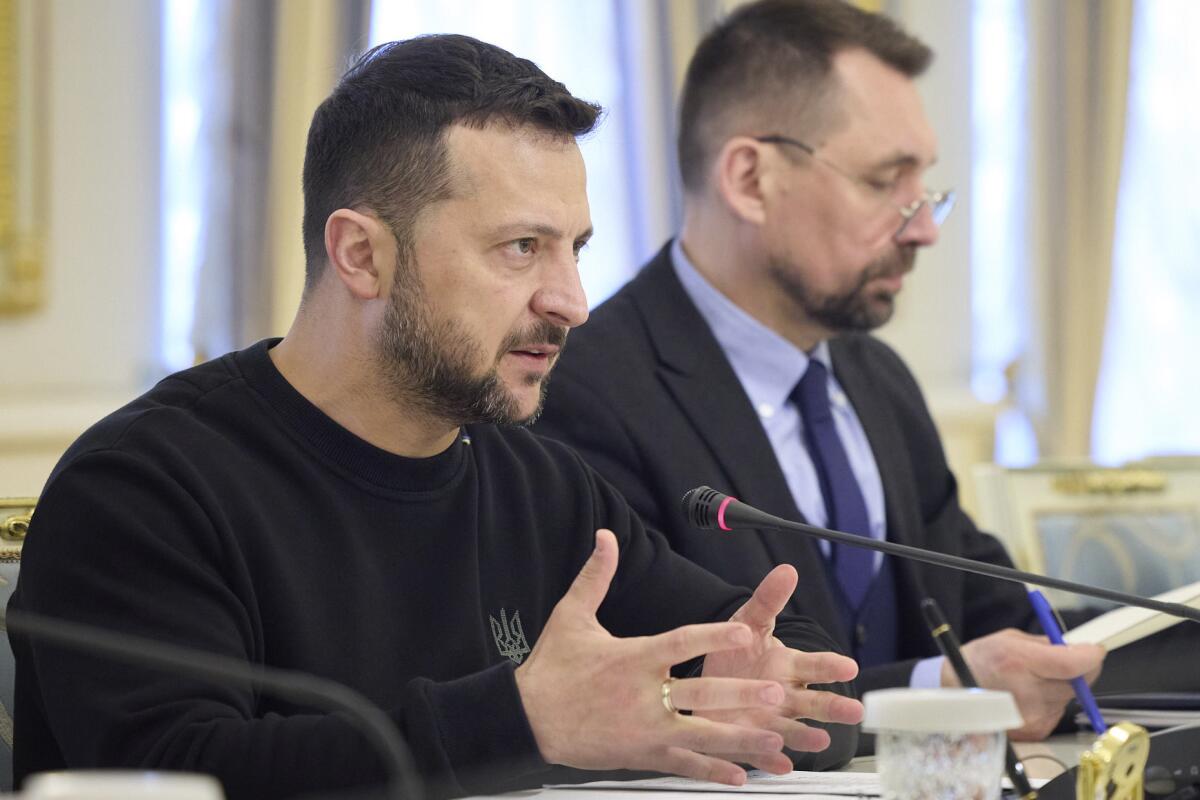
x=700, y=379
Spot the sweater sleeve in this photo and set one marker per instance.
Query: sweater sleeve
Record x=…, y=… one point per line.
x=120, y=545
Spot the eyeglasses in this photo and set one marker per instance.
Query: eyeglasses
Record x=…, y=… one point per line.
x=940, y=203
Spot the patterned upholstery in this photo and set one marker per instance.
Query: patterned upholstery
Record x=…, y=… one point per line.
x=14, y=522
x=1133, y=529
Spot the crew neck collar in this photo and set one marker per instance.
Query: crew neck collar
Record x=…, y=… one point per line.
x=338, y=445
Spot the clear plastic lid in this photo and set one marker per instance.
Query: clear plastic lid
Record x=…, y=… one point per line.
x=942, y=710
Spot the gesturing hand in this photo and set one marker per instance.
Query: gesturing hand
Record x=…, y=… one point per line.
x=767, y=658
x=596, y=702
x=1036, y=672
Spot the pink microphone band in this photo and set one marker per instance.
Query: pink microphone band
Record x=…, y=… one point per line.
x=721, y=513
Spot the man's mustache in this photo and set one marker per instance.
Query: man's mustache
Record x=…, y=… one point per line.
x=541, y=332
x=895, y=265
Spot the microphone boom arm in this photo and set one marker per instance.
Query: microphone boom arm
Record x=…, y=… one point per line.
x=708, y=508
x=376, y=726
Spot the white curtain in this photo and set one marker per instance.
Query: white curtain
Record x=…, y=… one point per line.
x=1150, y=381
x=241, y=81
x=314, y=41
x=1049, y=133
x=233, y=287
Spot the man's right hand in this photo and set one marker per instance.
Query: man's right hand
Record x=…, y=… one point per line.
x=595, y=701
x=1036, y=672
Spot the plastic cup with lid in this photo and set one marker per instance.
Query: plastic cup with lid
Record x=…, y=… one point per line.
x=940, y=744
x=121, y=785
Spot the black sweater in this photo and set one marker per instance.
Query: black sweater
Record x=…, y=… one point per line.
x=223, y=511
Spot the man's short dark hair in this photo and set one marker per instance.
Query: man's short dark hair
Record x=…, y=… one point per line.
x=771, y=61
x=379, y=139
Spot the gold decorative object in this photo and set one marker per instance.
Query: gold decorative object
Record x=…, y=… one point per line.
x=15, y=515
x=22, y=173
x=1112, y=769
x=1111, y=482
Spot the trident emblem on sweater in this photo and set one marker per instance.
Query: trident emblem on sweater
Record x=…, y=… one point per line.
x=510, y=636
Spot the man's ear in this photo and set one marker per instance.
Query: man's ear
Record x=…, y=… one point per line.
x=352, y=242
x=740, y=168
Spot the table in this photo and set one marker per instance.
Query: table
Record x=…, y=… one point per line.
x=1039, y=757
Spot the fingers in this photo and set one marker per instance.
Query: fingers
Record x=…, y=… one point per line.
x=702, y=767
x=1035, y=671
x=692, y=641
x=823, y=706
x=805, y=738
x=796, y=670
x=769, y=598
x=1017, y=661
x=800, y=667
x=1064, y=662
x=591, y=584
x=709, y=736
x=707, y=750
x=796, y=735
x=801, y=737
x=757, y=704
x=776, y=763
x=718, y=694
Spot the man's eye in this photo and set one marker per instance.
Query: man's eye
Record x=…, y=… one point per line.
x=524, y=246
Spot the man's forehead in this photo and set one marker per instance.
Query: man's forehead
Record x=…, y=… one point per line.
x=880, y=116
x=502, y=172
x=498, y=150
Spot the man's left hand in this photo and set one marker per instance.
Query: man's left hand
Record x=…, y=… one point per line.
x=767, y=658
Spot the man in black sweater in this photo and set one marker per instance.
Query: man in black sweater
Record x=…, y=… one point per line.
x=354, y=500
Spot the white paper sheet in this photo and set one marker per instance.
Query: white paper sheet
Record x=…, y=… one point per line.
x=804, y=784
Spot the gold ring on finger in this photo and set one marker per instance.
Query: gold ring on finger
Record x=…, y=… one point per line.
x=666, y=696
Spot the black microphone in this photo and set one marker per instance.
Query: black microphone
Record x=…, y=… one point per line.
x=328, y=695
x=707, y=508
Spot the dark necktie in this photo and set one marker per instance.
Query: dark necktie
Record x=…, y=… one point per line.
x=844, y=504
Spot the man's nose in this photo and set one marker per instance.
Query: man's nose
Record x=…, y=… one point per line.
x=920, y=229
x=561, y=299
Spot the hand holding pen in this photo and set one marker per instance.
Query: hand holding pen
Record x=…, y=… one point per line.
x=1045, y=615
x=1036, y=672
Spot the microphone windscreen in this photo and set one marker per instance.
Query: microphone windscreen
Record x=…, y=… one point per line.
x=700, y=506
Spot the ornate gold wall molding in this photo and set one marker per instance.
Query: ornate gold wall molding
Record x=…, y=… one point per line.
x=1111, y=482
x=22, y=149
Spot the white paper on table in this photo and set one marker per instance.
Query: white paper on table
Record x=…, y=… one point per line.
x=809, y=785
x=804, y=784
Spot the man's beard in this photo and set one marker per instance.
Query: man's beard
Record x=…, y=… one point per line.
x=430, y=365
x=856, y=309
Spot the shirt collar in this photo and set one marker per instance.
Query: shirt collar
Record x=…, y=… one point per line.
x=768, y=365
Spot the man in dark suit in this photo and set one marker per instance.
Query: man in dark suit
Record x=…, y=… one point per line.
x=740, y=358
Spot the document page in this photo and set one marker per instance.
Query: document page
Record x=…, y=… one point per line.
x=1128, y=624
x=804, y=784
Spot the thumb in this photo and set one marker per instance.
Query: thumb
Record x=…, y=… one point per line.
x=591, y=584
x=769, y=599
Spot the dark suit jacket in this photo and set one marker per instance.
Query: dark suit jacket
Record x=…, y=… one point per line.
x=648, y=397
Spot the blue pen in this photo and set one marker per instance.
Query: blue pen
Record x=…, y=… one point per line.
x=1045, y=615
